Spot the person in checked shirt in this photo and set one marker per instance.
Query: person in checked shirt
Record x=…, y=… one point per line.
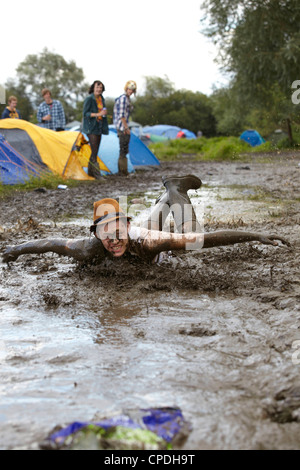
x=122, y=110
x=51, y=113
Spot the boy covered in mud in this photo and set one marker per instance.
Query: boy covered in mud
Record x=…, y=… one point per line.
x=115, y=237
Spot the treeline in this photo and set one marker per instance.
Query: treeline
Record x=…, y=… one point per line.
x=161, y=102
x=259, y=44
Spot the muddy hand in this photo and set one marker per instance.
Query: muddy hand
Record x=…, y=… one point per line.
x=9, y=255
x=271, y=240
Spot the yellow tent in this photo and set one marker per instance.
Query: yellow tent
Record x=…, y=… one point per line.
x=62, y=152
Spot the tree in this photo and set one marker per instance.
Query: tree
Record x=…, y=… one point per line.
x=260, y=46
x=158, y=87
x=50, y=70
x=229, y=113
x=233, y=116
x=162, y=104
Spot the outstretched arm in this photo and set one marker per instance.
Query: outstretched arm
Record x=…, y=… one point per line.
x=156, y=242
x=230, y=237
x=79, y=249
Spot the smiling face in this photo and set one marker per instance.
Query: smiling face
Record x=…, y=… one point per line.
x=13, y=104
x=98, y=88
x=129, y=92
x=47, y=97
x=114, y=236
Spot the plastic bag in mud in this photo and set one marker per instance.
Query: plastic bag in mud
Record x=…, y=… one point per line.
x=141, y=429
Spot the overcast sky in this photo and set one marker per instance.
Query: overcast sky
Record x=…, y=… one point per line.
x=113, y=40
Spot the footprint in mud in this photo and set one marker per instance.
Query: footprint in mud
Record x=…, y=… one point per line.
x=285, y=407
x=20, y=359
x=51, y=300
x=196, y=330
x=63, y=359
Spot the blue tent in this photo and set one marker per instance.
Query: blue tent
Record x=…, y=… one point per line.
x=14, y=168
x=252, y=137
x=163, y=130
x=139, y=154
x=109, y=152
x=170, y=132
x=189, y=134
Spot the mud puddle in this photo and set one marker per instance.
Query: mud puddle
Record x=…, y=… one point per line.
x=214, y=357
x=214, y=332
x=215, y=202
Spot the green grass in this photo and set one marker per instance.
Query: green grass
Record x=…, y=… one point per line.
x=47, y=181
x=214, y=148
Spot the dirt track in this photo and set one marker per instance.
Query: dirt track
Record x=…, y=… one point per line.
x=213, y=332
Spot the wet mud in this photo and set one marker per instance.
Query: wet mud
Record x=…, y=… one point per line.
x=215, y=332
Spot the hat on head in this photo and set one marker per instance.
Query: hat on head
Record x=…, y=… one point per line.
x=107, y=210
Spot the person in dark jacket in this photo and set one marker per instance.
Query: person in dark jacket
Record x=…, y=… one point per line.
x=11, y=110
x=95, y=124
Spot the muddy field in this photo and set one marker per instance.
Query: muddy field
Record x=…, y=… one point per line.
x=215, y=332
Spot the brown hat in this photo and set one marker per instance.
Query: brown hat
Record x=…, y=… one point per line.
x=107, y=210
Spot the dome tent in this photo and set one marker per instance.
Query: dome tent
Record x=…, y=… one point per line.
x=67, y=153
x=14, y=168
x=252, y=137
x=108, y=153
x=167, y=132
x=139, y=153
x=45, y=149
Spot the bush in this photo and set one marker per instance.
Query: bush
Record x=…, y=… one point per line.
x=225, y=148
x=214, y=148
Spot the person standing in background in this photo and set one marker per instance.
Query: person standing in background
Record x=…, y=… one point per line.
x=122, y=110
x=95, y=124
x=11, y=110
x=51, y=113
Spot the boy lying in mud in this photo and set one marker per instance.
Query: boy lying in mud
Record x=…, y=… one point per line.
x=115, y=237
